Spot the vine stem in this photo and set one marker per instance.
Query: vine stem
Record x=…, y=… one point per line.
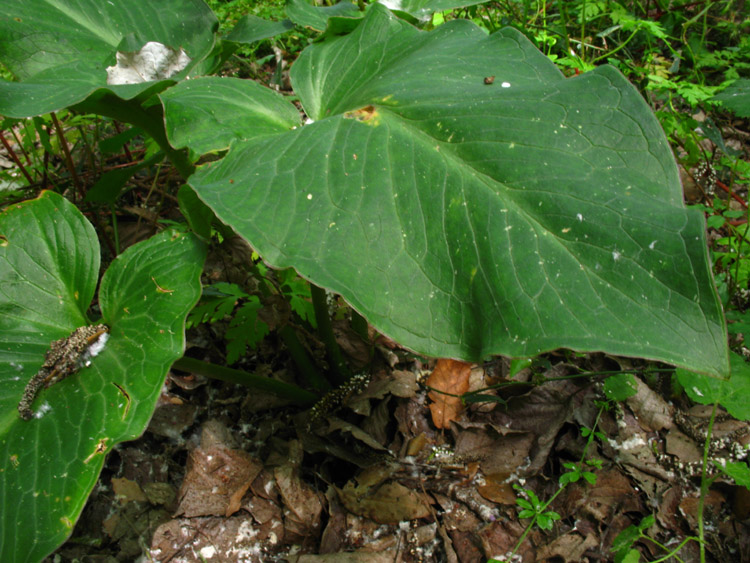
x=292, y=393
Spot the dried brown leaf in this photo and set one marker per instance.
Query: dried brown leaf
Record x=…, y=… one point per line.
x=651, y=410
x=215, y=480
x=197, y=540
x=126, y=490
x=612, y=493
x=498, y=449
x=569, y=548
x=449, y=379
x=388, y=504
x=303, y=503
x=497, y=489
x=352, y=557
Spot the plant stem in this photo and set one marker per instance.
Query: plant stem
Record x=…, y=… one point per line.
x=302, y=360
x=115, y=231
x=583, y=31
x=297, y=351
x=671, y=554
x=543, y=508
x=325, y=331
x=68, y=159
x=519, y=543
x=359, y=324
x=705, y=482
x=151, y=121
x=618, y=48
x=15, y=158
x=292, y=393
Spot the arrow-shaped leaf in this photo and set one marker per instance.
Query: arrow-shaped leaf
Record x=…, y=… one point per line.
x=469, y=200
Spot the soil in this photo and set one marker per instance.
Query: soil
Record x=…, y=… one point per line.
x=390, y=468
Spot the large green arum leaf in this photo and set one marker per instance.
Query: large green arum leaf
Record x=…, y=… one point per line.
x=49, y=266
x=469, y=200
x=60, y=50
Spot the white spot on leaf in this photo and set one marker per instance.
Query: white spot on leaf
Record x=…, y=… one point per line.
x=153, y=62
x=43, y=409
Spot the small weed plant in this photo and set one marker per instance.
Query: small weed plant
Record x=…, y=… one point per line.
x=531, y=507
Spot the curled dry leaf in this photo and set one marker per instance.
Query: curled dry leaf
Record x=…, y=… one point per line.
x=652, y=411
x=215, y=481
x=449, y=376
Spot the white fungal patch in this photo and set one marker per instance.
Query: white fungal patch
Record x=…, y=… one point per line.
x=616, y=255
x=245, y=532
x=632, y=443
x=43, y=409
x=95, y=349
x=652, y=245
x=154, y=61
x=505, y=84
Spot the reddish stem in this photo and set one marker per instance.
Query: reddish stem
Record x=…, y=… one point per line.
x=68, y=159
x=724, y=187
x=15, y=158
x=125, y=145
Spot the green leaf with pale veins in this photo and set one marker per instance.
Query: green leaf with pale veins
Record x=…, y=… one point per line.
x=468, y=199
x=49, y=267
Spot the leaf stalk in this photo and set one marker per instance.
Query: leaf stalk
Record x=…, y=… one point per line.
x=292, y=393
